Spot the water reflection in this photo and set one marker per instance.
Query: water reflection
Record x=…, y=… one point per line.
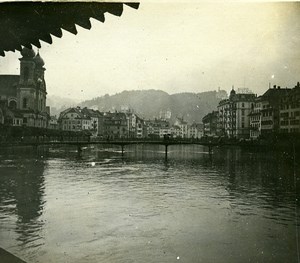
x=22, y=196
x=142, y=207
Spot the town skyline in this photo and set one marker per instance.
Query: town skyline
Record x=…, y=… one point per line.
x=195, y=47
x=171, y=132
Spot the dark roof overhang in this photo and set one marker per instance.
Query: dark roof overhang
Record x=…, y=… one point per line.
x=26, y=23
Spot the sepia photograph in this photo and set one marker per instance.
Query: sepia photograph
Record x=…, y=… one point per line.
x=150, y=131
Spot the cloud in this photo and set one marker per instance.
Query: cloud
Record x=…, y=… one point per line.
x=176, y=47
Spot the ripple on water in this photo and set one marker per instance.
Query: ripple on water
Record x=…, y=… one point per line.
x=140, y=207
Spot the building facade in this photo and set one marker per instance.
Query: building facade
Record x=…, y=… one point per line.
x=183, y=125
x=157, y=128
x=92, y=119
x=255, y=119
x=210, y=122
x=270, y=110
x=195, y=131
x=290, y=111
x=73, y=119
x=25, y=94
x=115, y=125
x=233, y=115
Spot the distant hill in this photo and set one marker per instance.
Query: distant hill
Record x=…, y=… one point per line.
x=149, y=103
x=58, y=104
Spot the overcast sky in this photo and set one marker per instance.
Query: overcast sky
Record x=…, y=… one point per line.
x=175, y=47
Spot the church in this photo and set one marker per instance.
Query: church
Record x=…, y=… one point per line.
x=23, y=97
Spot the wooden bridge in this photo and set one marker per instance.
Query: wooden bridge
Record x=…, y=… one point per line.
x=122, y=143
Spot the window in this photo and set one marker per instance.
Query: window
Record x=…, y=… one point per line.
x=294, y=122
x=243, y=112
x=25, y=103
x=284, y=114
x=12, y=104
x=243, y=105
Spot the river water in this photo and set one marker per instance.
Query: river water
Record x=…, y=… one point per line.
x=233, y=206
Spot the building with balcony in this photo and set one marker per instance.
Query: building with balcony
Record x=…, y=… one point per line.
x=233, y=115
x=270, y=106
x=289, y=112
x=255, y=119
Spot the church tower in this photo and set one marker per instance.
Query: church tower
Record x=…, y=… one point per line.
x=40, y=84
x=26, y=87
x=31, y=92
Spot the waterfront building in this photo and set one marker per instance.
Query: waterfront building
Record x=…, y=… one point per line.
x=115, y=125
x=86, y=123
x=14, y=117
x=9, y=116
x=70, y=120
x=255, y=119
x=210, y=122
x=164, y=131
x=233, y=115
x=140, y=128
x=195, y=131
x=183, y=125
x=53, y=123
x=157, y=127
x=25, y=94
x=290, y=111
x=136, y=125
x=270, y=106
x=73, y=119
x=94, y=116
x=176, y=132
x=131, y=121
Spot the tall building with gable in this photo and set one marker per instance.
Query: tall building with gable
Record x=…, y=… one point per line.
x=233, y=115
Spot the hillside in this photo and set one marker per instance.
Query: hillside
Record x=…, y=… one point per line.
x=58, y=104
x=149, y=103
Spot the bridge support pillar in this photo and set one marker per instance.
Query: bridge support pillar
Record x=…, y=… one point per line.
x=79, y=149
x=166, y=151
x=210, y=149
